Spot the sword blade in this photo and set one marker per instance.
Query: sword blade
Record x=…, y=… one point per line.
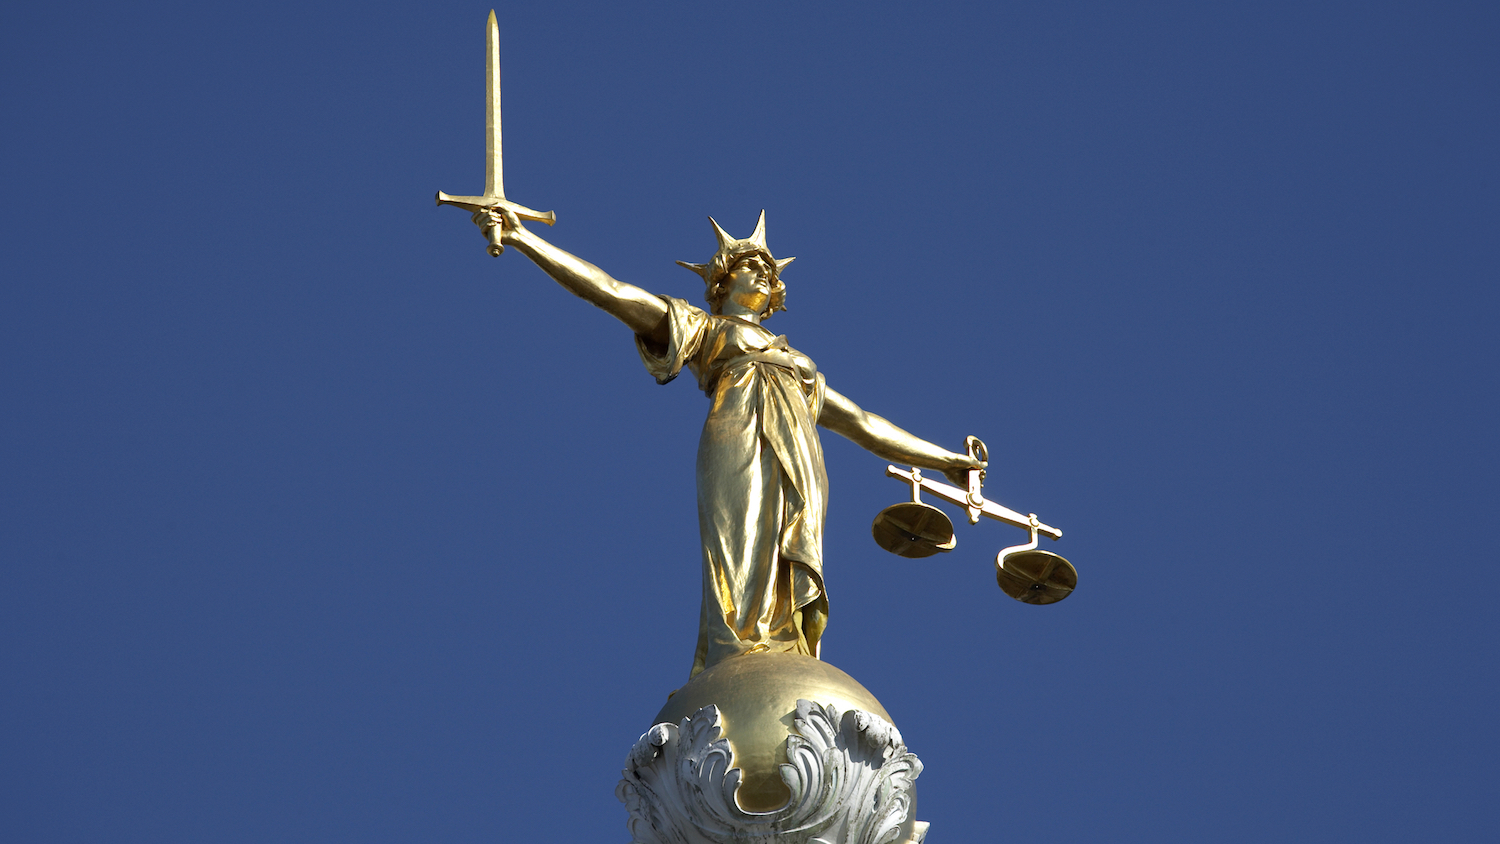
x=494, y=169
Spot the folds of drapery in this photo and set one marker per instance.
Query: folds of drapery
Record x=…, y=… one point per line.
x=762, y=488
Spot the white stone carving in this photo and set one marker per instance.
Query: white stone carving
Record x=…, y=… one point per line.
x=849, y=773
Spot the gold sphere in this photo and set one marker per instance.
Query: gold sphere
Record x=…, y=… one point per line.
x=757, y=699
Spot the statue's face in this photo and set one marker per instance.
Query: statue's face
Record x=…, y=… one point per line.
x=749, y=283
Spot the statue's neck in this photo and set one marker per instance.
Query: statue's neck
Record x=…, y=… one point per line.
x=740, y=312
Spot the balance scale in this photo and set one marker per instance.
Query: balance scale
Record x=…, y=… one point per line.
x=915, y=529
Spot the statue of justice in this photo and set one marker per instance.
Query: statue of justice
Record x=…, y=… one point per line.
x=762, y=489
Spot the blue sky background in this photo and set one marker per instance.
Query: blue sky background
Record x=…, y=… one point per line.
x=318, y=524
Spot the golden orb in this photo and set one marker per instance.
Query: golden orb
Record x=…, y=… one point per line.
x=756, y=695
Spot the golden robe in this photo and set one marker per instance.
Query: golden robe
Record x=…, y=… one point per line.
x=762, y=488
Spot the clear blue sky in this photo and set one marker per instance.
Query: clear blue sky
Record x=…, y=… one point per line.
x=318, y=524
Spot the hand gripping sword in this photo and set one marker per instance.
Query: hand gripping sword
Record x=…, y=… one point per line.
x=494, y=171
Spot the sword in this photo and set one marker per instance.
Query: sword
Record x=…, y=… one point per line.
x=494, y=171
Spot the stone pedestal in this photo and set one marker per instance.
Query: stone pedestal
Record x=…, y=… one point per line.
x=772, y=748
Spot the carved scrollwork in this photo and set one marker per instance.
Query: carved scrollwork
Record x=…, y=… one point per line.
x=850, y=777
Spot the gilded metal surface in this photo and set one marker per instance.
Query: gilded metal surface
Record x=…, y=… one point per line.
x=1024, y=573
x=975, y=498
x=494, y=163
x=1035, y=577
x=494, y=166
x=914, y=529
x=756, y=695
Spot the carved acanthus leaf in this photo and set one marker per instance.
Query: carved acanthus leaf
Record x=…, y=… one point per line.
x=849, y=774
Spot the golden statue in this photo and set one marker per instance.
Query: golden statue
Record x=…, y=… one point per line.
x=762, y=488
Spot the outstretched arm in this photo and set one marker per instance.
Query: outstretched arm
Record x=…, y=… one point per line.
x=642, y=312
x=878, y=436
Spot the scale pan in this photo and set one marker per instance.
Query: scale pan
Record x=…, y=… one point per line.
x=912, y=529
x=1036, y=577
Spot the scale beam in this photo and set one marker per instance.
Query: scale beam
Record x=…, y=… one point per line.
x=976, y=505
x=480, y=203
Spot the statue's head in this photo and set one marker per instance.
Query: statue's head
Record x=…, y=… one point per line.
x=731, y=251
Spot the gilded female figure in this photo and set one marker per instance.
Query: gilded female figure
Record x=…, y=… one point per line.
x=762, y=488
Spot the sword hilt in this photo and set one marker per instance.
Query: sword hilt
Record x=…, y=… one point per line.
x=482, y=203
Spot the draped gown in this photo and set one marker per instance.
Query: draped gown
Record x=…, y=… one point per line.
x=762, y=488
